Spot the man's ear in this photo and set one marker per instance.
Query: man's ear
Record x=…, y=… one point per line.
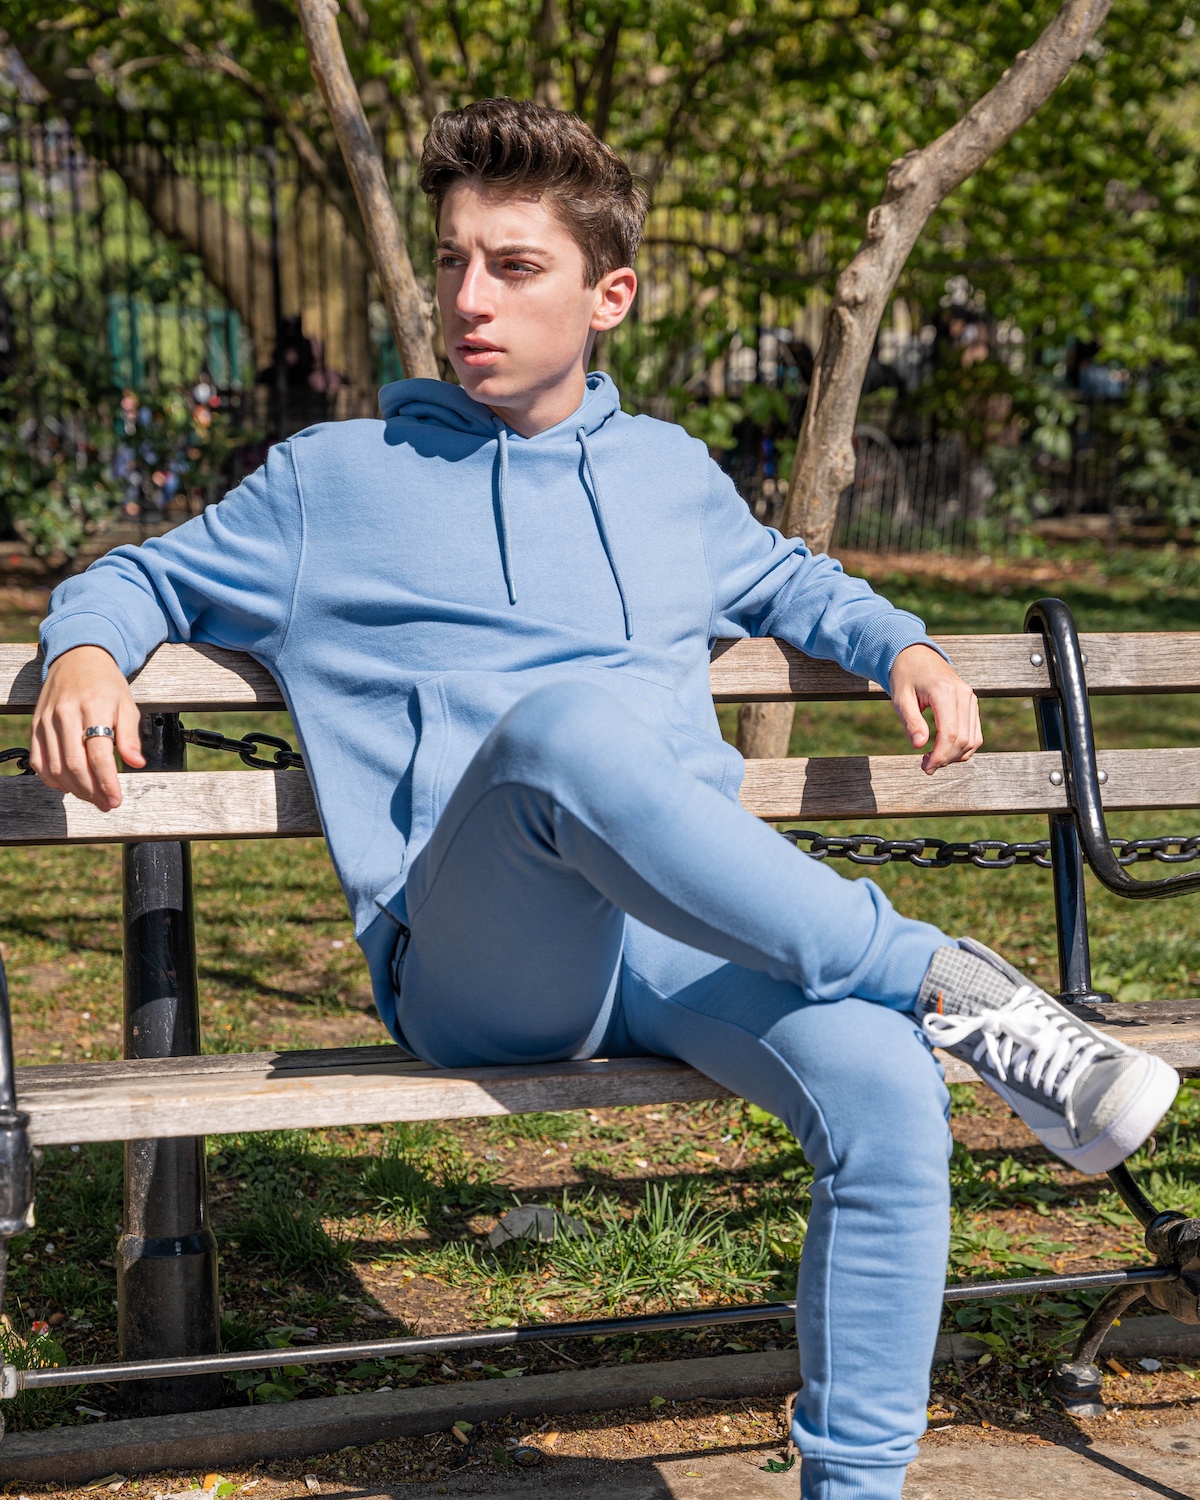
x=614, y=294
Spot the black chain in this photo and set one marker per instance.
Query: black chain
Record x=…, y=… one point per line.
x=21, y=756
x=984, y=854
x=284, y=758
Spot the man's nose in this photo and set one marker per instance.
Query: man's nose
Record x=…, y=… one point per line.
x=474, y=294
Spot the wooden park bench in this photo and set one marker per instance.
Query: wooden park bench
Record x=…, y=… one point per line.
x=163, y=1099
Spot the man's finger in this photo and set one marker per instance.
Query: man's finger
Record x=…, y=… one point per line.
x=106, y=789
x=909, y=710
x=129, y=739
x=952, y=736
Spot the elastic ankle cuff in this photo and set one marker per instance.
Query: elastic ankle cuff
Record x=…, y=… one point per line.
x=822, y=1480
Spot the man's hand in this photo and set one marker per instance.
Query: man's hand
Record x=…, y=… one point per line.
x=85, y=687
x=921, y=679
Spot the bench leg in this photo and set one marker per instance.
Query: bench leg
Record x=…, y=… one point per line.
x=167, y=1255
x=1078, y=1381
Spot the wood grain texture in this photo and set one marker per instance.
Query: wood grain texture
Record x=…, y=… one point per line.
x=878, y=786
x=996, y=666
x=267, y=1093
x=280, y=804
x=206, y=678
x=162, y=805
x=224, y=1094
x=196, y=678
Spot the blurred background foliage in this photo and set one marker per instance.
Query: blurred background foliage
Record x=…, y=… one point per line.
x=763, y=130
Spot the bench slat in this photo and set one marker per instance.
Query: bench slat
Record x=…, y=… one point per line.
x=280, y=804
x=208, y=679
x=377, y=1088
x=229, y=1093
x=996, y=666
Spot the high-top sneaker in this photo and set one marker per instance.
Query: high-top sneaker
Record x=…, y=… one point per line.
x=1092, y=1100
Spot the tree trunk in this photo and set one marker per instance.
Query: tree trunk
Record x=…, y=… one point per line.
x=410, y=321
x=916, y=184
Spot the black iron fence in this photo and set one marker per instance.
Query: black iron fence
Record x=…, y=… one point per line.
x=174, y=298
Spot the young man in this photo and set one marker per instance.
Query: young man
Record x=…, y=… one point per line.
x=491, y=616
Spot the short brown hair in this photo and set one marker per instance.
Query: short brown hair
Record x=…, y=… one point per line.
x=511, y=144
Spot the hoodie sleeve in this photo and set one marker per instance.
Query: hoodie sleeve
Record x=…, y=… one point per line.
x=768, y=584
x=226, y=577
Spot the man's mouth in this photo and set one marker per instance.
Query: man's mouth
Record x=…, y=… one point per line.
x=477, y=351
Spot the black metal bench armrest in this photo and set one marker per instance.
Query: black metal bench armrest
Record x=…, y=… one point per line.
x=1066, y=662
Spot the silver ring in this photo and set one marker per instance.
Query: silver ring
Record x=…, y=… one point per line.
x=99, y=732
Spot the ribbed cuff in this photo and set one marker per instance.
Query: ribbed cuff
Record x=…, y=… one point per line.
x=882, y=642
x=65, y=632
x=822, y=1480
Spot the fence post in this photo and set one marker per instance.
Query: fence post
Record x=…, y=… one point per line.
x=167, y=1255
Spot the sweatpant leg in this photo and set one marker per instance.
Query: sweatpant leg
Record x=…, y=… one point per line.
x=574, y=813
x=863, y=1095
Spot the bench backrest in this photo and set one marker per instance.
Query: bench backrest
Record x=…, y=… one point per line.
x=279, y=804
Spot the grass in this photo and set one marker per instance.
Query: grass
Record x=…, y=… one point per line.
x=344, y=1233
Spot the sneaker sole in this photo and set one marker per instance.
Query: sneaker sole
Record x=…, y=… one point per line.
x=1133, y=1125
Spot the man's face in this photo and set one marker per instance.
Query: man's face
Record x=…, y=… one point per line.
x=517, y=319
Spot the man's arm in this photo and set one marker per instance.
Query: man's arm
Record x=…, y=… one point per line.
x=766, y=584
x=227, y=577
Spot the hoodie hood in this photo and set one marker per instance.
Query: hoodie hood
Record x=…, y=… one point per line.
x=441, y=404
x=447, y=405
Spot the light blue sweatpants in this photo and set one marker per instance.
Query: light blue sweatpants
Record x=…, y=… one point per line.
x=583, y=894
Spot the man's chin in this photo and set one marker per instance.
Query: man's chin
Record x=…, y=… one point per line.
x=487, y=384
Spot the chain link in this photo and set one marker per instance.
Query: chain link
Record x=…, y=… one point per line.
x=283, y=759
x=984, y=854
x=21, y=756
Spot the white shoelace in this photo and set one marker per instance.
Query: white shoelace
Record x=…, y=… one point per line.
x=1030, y=1037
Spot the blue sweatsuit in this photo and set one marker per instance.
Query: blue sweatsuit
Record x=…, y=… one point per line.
x=495, y=653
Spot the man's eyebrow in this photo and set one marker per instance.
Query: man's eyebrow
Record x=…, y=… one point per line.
x=447, y=243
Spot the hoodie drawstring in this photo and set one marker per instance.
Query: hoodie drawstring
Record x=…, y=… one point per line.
x=602, y=528
x=505, y=554
x=594, y=499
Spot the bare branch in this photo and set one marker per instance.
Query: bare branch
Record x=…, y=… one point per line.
x=359, y=19
x=605, y=67
x=456, y=26
x=410, y=322
x=310, y=158
x=545, y=85
x=916, y=185
x=431, y=96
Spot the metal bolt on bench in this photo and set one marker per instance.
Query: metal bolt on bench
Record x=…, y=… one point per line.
x=167, y=1275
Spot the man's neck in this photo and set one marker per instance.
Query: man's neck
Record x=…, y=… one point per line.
x=544, y=409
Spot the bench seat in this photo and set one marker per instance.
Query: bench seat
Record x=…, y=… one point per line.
x=229, y=1093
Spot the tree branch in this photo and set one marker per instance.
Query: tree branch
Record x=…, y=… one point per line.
x=309, y=157
x=606, y=65
x=431, y=96
x=410, y=322
x=460, y=39
x=916, y=185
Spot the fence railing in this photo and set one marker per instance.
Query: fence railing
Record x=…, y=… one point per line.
x=173, y=299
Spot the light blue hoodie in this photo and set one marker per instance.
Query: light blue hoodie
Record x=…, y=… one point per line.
x=406, y=581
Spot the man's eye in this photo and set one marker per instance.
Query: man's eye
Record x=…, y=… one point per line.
x=522, y=268
x=447, y=262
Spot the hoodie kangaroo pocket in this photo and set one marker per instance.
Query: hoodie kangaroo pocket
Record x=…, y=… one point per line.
x=429, y=760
